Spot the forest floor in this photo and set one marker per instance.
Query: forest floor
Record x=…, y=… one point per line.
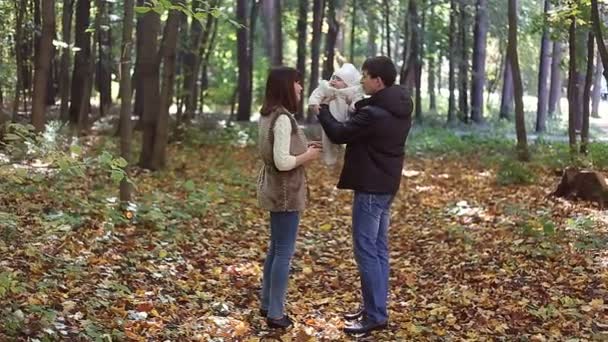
x=471, y=259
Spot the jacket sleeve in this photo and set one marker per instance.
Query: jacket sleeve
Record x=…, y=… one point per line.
x=317, y=96
x=356, y=128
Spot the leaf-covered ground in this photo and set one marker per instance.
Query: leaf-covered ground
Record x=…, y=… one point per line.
x=471, y=260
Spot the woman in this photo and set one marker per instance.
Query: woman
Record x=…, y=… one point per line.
x=282, y=185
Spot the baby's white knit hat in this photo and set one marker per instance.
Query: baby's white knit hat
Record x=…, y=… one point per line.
x=349, y=74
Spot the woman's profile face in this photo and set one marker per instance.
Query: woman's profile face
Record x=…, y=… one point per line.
x=297, y=88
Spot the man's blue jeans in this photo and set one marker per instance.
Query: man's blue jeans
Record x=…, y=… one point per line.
x=371, y=218
x=283, y=233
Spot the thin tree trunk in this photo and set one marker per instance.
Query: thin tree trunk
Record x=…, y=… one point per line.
x=597, y=84
x=353, y=25
x=244, y=65
x=138, y=86
x=387, y=27
x=205, y=62
x=520, y=124
x=81, y=73
x=431, y=83
x=43, y=65
x=317, y=21
x=148, y=75
x=573, y=106
x=463, y=100
x=556, y=79
x=19, y=86
x=597, y=27
x=479, y=61
x=167, y=53
x=506, y=102
x=587, y=92
x=330, y=39
x=64, y=74
x=452, y=61
x=125, y=96
x=372, y=33
x=543, y=72
x=301, y=62
x=104, y=73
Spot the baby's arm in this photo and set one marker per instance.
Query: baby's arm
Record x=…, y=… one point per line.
x=320, y=94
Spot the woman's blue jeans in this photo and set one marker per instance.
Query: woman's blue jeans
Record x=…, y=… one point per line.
x=283, y=233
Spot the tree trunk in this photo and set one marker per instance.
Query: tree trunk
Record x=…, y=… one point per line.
x=479, y=61
x=387, y=27
x=104, y=73
x=330, y=39
x=409, y=77
x=572, y=87
x=463, y=100
x=138, y=108
x=353, y=25
x=301, y=62
x=506, y=102
x=64, y=74
x=191, y=59
x=318, y=9
x=601, y=46
x=520, y=124
x=543, y=72
x=208, y=47
x=556, y=79
x=431, y=83
x=148, y=75
x=597, y=84
x=43, y=65
x=80, y=73
x=244, y=63
x=453, y=57
x=19, y=86
x=125, y=96
x=167, y=54
x=273, y=25
x=587, y=93
x=372, y=33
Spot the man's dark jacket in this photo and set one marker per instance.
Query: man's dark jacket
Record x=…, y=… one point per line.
x=375, y=138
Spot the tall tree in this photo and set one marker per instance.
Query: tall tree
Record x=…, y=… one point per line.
x=103, y=76
x=244, y=62
x=43, y=65
x=506, y=99
x=273, y=24
x=20, y=8
x=372, y=33
x=555, y=91
x=206, y=49
x=573, y=97
x=543, y=73
x=597, y=88
x=81, y=75
x=168, y=55
x=387, y=26
x=148, y=65
x=190, y=61
x=353, y=26
x=318, y=8
x=453, y=58
x=512, y=55
x=432, y=54
x=333, y=28
x=125, y=96
x=301, y=61
x=463, y=100
x=587, y=92
x=597, y=28
x=479, y=60
x=64, y=73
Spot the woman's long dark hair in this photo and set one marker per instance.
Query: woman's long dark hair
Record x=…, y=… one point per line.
x=280, y=90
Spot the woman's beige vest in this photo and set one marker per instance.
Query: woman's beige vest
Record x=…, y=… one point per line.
x=281, y=190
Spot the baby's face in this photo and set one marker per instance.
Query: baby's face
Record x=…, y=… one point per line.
x=337, y=82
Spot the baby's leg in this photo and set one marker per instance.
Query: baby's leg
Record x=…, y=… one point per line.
x=330, y=150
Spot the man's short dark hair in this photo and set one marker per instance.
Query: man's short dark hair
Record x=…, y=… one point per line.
x=383, y=67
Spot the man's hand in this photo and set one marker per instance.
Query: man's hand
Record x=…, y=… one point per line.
x=317, y=144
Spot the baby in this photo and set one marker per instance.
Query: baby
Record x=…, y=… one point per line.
x=341, y=93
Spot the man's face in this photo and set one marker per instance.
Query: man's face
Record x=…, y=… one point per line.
x=370, y=84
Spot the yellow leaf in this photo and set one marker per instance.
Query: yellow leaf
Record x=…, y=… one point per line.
x=307, y=270
x=325, y=227
x=597, y=304
x=162, y=254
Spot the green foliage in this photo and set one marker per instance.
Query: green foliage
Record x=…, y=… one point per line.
x=9, y=283
x=514, y=172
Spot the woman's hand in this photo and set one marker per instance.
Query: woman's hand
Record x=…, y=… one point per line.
x=315, y=143
x=313, y=152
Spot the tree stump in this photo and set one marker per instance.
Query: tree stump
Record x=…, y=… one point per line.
x=583, y=185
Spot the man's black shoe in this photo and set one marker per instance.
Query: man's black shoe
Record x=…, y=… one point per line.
x=364, y=327
x=351, y=316
x=283, y=322
x=263, y=312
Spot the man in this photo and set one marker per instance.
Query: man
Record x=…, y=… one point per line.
x=375, y=138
